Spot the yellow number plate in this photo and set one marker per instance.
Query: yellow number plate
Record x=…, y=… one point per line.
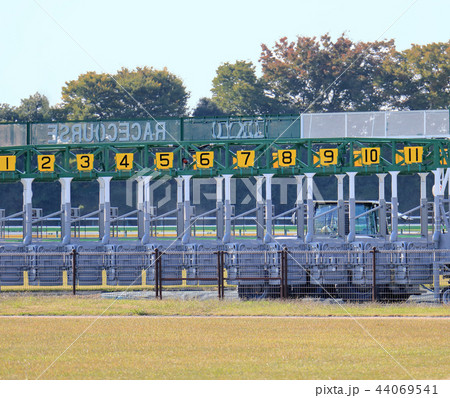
x=285, y=158
x=204, y=160
x=124, y=161
x=328, y=156
x=370, y=156
x=85, y=162
x=164, y=160
x=7, y=163
x=409, y=155
x=46, y=163
x=413, y=154
x=245, y=158
x=443, y=154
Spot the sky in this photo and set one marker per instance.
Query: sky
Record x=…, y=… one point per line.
x=46, y=43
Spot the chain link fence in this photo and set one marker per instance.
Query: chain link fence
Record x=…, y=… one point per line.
x=348, y=275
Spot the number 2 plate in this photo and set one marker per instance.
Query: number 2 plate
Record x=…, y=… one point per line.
x=46, y=163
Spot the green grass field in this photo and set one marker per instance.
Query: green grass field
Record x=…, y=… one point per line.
x=93, y=304
x=213, y=341
x=224, y=348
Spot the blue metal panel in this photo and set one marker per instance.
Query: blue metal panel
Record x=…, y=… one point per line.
x=126, y=269
x=46, y=265
x=12, y=264
x=252, y=265
x=90, y=263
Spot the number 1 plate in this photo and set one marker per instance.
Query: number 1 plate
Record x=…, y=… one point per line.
x=7, y=163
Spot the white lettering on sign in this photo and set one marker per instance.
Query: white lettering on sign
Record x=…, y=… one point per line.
x=136, y=133
x=143, y=131
x=238, y=130
x=78, y=133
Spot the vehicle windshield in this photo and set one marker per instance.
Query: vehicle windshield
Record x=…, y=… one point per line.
x=326, y=220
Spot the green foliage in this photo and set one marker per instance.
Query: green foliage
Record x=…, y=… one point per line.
x=206, y=107
x=139, y=93
x=237, y=91
x=35, y=108
x=420, y=77
x=319, y=75
x=8, y=113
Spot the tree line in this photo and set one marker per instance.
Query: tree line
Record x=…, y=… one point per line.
x=308, y=74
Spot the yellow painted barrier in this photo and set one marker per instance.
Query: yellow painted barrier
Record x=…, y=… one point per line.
x=65, y=279
x=144, y=278
x=183, y=275
x=26, y=283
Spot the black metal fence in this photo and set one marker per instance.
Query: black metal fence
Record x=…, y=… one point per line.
x=349, y=275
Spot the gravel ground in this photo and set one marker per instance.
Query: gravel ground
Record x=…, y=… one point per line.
x=178, y=294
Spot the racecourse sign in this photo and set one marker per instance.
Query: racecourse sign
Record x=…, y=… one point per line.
x=408, y=124
x=168, y=130
x=97, y=132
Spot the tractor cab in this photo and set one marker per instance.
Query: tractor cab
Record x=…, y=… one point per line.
x=326, y=221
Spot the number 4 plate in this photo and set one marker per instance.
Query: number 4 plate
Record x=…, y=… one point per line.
x=124, y=161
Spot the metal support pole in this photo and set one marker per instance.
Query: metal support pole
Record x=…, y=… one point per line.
x=28, y=210
x=423, y=206
x=140, y=206
x=259, y=208
x=281, y=253
x=351, y=206
x=180, y=213
x=222, y=266
x=268, y=236
x=105, y=209
x=66, y=210
x=382, y=201
x=394, y=206
x=101, y=208
x=187, y=209
x=309, y=207
x=283, y=276
x=300, y=212
x=157, y=274
x=147, y=209
x=438, y=196
x=436, y=281
x=227, y=234
x=160, y=275
x=74, y=271
x=341, y=206
x=218, y=275
x=374, y=274
x=219, y=206
x=220, y=281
